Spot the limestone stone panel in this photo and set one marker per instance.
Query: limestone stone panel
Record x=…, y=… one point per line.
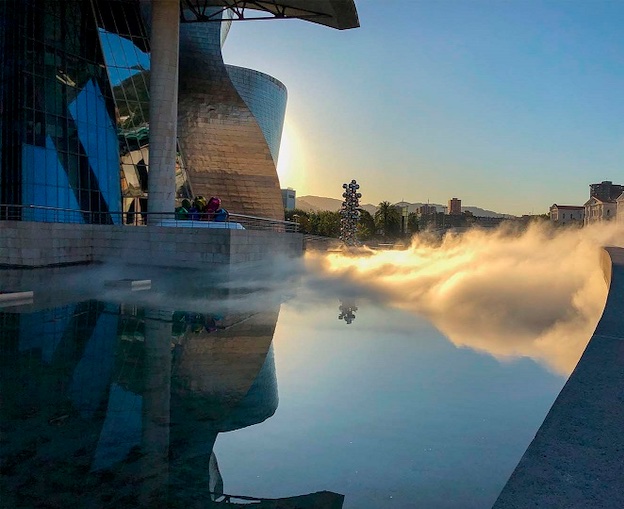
x=43, y=244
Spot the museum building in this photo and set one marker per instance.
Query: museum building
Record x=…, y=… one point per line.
x=81, y=80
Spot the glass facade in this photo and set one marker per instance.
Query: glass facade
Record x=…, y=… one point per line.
x=58, y=138
x=75, y=109
x=125, y=44
x=74, y=129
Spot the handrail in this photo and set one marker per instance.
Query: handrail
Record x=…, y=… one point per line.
x=43, y=213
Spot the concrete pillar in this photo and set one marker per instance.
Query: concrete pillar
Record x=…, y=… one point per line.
x=163, y=114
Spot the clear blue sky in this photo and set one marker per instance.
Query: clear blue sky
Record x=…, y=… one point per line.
x=510, y=105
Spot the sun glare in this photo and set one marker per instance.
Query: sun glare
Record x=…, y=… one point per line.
x=291, y=162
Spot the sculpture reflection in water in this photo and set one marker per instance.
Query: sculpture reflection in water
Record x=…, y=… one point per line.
x=113, y=405
x=347, y=311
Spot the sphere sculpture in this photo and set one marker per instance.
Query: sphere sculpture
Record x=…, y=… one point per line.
x=347, y=311
x=349, y=213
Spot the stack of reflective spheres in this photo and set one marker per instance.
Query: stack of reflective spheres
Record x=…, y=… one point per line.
x=349, y=213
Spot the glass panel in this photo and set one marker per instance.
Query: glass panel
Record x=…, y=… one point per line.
x=62, y=155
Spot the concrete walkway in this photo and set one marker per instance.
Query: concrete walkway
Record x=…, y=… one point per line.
x=576, y=459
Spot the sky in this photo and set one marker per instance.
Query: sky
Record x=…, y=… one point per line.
x=509, y=105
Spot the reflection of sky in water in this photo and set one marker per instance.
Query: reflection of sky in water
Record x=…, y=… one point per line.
x=123, y=58
x=534, y=293
x=387, y=412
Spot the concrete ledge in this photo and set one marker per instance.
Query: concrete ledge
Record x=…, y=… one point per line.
x=129, y=284
x=32, y=245
x=188, y=223
x=16, y=296
x=576, y=459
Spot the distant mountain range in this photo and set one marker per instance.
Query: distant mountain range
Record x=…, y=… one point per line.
x=315, y=203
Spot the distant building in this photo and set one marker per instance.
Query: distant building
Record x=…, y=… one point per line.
x=606, y=190
x=597, y=210
x=289, y=197
x=426, y=210
x=404, y=219
x=620, y=209
x=487, y=222
x=454, y=207
x=566, y=214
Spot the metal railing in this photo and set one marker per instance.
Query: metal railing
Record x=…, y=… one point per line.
x=39, y=213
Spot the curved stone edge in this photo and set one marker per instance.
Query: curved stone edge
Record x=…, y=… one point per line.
x=576, y=459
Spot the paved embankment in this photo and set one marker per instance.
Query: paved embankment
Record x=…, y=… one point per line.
x=576, y=459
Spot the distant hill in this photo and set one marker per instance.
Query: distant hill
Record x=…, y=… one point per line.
x=479, y=212
x=316, y=203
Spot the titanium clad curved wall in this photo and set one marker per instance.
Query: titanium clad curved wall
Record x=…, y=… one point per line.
x=266, y=98
x=225, y=149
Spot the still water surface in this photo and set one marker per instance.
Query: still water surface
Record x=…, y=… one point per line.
x=155, y=399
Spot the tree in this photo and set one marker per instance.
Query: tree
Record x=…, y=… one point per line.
x=300, y=216
x=325, y=223
x=329, y=223
x=388, y=220
x=366, y=225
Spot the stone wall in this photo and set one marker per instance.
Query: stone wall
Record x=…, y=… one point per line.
x=30, y=244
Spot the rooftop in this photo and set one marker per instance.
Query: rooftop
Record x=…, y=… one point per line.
x=340, y=14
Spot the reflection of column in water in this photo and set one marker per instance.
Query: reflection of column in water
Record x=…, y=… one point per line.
x=347, y=311
x=156, y=403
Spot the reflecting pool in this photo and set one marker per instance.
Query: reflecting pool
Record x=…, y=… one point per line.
x=218, y=392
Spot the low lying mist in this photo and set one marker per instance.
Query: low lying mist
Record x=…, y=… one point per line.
x=537, y=293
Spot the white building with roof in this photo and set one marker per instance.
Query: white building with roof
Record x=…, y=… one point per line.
x=597, y=210
x=620, y=209
x=567, y=214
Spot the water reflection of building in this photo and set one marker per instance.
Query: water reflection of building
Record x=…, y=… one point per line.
x=105, y=405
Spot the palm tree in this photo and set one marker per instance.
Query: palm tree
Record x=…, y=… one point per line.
x=388, y=220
